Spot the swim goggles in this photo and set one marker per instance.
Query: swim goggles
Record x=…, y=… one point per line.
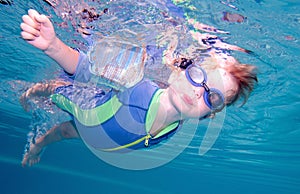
x=213, y=97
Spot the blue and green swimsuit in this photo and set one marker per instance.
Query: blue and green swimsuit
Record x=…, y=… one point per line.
x=115, y=121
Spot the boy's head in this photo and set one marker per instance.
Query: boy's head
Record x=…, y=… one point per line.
x=233, y=81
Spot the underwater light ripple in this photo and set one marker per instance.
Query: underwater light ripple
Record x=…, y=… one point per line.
x=73, y=172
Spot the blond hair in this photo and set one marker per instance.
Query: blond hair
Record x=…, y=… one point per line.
x=245, y=77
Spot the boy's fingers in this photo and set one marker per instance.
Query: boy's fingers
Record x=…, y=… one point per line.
x=27, y=36
x=45, y=20
x=29, y=29
x=40, y=18
x=33, y=13
x=29, y=21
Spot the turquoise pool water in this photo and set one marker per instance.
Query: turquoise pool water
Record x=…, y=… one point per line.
x=257, y=151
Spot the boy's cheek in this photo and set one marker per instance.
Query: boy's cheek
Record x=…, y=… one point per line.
x=173, y=77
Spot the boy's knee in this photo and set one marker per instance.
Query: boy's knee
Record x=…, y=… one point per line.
x=65, y=133
x=68, y=131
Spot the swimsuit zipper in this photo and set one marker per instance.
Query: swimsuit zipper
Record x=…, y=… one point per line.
x=147, y=140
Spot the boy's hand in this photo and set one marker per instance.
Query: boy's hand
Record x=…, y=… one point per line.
x=37, y=30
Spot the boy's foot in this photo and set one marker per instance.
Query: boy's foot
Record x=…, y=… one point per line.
x=33, y=156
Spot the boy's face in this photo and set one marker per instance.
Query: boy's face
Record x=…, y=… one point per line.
x=189, y=100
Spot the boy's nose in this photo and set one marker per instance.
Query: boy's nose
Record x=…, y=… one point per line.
x=199, y=91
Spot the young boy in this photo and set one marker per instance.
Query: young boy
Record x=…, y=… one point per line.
x=137, y=117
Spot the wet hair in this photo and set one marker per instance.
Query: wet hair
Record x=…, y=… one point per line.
x=245, y=77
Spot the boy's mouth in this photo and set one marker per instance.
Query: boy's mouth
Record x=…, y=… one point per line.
x=187, y=99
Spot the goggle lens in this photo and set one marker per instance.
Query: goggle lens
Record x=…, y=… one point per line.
x=213, y=97
x=197, y=75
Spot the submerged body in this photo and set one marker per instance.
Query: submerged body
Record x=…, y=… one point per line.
x=156, y=113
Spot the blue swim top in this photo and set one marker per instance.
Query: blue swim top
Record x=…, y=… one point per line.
x=118, y=120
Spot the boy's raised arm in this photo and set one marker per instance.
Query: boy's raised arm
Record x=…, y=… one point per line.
x=38, y=31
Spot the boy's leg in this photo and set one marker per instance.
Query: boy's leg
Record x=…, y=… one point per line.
x=66, y=130
x=40, y=90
